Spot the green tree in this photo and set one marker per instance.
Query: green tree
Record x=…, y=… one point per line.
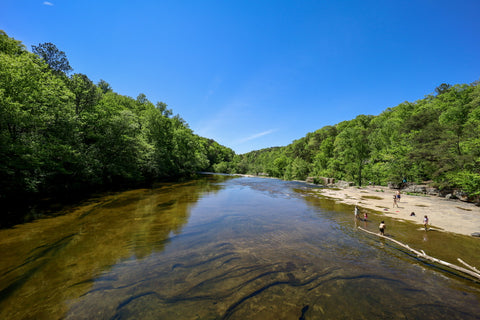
x=35, y=122
x=188, y=157
x=160, y=134
x=10, y=46
x=441, y=89
x=298, y=169
x=352, y=147
x=162, y=107
x=119, y=148
x=216, y=153
x=279, y=166
x=322, y=160
x=104, y=86
x=455, y=114
x=55, y=58
x=61, y=135
x=86, y=93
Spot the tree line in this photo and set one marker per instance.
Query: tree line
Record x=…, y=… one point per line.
x=61, y=133
x=435, y=139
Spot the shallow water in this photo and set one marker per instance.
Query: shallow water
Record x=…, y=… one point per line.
x=224, y=247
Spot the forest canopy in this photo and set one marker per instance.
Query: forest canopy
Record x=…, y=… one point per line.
x=62, y=133
x=435, y=139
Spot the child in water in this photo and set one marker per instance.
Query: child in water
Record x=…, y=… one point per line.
x=425, y=222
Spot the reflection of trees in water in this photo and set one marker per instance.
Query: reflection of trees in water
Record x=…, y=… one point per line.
x=274, y=260
x=51, y=260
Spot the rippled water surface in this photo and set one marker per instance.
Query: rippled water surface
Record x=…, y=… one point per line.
x=224, y=247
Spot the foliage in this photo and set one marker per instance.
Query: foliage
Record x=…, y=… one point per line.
x=9, y=45
x=468, y=181
x=62, y=134
x=56, y=59
x=433, y=139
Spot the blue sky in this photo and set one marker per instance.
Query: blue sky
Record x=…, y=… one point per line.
x=257, y=74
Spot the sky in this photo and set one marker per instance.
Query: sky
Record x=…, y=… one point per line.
x=254, y=74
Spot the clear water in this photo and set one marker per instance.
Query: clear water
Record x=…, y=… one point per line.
x=224, y=247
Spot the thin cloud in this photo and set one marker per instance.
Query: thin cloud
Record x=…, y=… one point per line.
x=223, y=118
x=256, y=136
x=47, y=3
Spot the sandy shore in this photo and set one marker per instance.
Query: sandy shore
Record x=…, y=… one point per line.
x=445, y=215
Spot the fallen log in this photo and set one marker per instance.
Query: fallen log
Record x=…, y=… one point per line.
x=469, y=266
x=423, y=255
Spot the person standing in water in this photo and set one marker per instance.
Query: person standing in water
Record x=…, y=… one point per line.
x=425, y=222
x=382, y=227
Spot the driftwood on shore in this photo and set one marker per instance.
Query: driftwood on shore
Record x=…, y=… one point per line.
x=472, y=271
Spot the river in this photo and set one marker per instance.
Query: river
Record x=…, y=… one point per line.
x=227, y=247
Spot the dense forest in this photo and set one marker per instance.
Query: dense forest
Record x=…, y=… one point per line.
x=61, y=134
x=435, y=139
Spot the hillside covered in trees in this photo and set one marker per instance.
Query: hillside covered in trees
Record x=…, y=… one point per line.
x=61, y=134
x=434, y=139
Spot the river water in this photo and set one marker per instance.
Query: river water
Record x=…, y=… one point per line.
x=225, y=247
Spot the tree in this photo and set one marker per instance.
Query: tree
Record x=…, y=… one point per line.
x=62, y=134
x=299, y=169
x=279, y=166
x=352, y=147
x=119, y=148
x=323, y=157
x=162, y=107
x=56, y=59
x=160, y=134
x=104, y=86
x=9, y=45
x=216, y=153
x=441, y=89
x=36, y=124
x=86, y=94
x=456, y=113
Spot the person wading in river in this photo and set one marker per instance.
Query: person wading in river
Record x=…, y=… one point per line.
x=425, y=222
x=382, y=227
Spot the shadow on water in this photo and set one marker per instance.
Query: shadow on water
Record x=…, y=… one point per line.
x=234, y=248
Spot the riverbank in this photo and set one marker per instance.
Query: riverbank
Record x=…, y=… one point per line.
x=444, y=214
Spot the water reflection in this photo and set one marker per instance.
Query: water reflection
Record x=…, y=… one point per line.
x=48, y=262
x=238, y=248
